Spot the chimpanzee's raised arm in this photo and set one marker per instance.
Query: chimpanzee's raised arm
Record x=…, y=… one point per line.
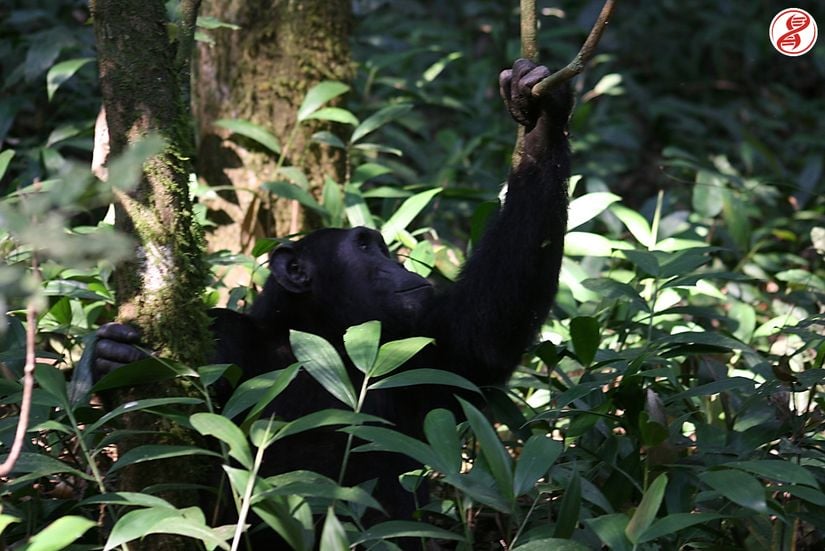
x=492, y=313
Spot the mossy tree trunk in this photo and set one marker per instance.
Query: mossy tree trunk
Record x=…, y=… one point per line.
x=144, y=80
x=261, y=73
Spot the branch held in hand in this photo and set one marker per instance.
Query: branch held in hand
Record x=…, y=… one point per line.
x=577, y=65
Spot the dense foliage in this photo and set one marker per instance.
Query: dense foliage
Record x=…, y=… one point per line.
x=675, y=399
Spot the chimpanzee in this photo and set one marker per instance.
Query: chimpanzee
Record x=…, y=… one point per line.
x=336, y=278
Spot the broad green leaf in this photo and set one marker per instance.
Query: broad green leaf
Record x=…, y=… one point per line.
x=584, y=333
x=368, y=171
x=569, y=509
x=424, y=377
x=610, y=529
x=295, y=176
x=161, y=520
x=554, y=544
x=406, y=213
x=646, y=512
x=60, y=534
x=325, y=418
x=318, y=95
x=707, y=194
x=745, y=317
x=703, y=338
x=212, y=424
x=328, y=138
x=355, y=207
x=139, y=405
x=492, y=449
x=52, y=381
x=808, y=494
x=282, y=381
x=321, y=361
x=5, y=158
x=383, y=439
x=335, y=114
x=361, y=343
x=394, y=354
x=147, y=371
x=739, y=487
x=587, y=207
x=63, y=71
x=379, y=119
x=736, y=219
x=722, y=385
x=644, y=260
x=333, y=536
x=586, y=244
x=440, y=430
x=5, y=520
x=252, y=131
x=310, y=484
x=675, y=522
x=404, y=528
x=775, y=469
x=152, y=452
x=536, y=457
x=432, y=72
x=136, y=499
x=296, y=193
x=44, y=465
x=611, y=289
x=635, y=223
x=421, y=259
x=252, y=392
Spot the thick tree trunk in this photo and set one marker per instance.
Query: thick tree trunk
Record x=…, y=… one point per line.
x=261, y=73
x=143, y=79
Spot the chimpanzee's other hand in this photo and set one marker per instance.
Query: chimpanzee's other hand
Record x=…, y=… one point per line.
x=116, y=346
x=516, y=87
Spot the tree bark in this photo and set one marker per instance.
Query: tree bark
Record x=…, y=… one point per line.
x=261, y=73
x=144, y=83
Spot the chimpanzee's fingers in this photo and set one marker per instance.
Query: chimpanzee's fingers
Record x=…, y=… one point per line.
x=504, y=79
x=116, y=351
x=536, y=75
x=119, y=332
x=102, y=368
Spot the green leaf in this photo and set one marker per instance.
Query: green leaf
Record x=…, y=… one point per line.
x=161, y=520
x=252, y=391
x=636, y=223
x=368, y=171
x=404, y=529
x=584, y=333
x=328, y=138
x=394, y=354
x=282, y=381
x=703, y=338
x=52, y=381
x=252, y=131
x=675, y=522
x=739, y=487
x=537, y=456
x=152, y=452
x=378, y=120
x=333, y=536
x=325, y=418
x=147, y=371
x=321, y=361
x=139, y=405
x=128, y=498
x=589, y=206
x=774, y=469
x=646, y=512
x=644, y=260
x=335, y=114
x=610, y=529
x=551, y=544
x=5, y=158
x=208, y=22
x=440, y=430
x=415, y=377
x=60, y=534
x=318, y=95
x=296, y=193
x=492, y=449
x=361, y=343
x=406, y=213
x=722, y=385
x=569, y=509
x=211, y=424
x=6, y=520
x=586, y=244
x=383, y=439
x=707, y=194
x=310, y=484
x=63, y=71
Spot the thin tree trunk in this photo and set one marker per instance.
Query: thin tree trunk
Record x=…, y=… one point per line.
x=144, y=81
x=261, y=73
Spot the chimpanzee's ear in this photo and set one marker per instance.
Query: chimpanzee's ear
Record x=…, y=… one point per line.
x=289, y=269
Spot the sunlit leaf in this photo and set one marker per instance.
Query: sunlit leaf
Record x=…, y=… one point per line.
x=252, y=131
x=318, y=95
x=646, y=512
x=321, y=361
x=60, y=534
x=211, y=424
x=63, y=71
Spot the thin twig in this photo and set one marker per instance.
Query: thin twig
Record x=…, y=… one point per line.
x=28, y=387
x=529, y=45
x=577, y=65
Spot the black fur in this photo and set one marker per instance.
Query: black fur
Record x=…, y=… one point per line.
x=335, y=278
